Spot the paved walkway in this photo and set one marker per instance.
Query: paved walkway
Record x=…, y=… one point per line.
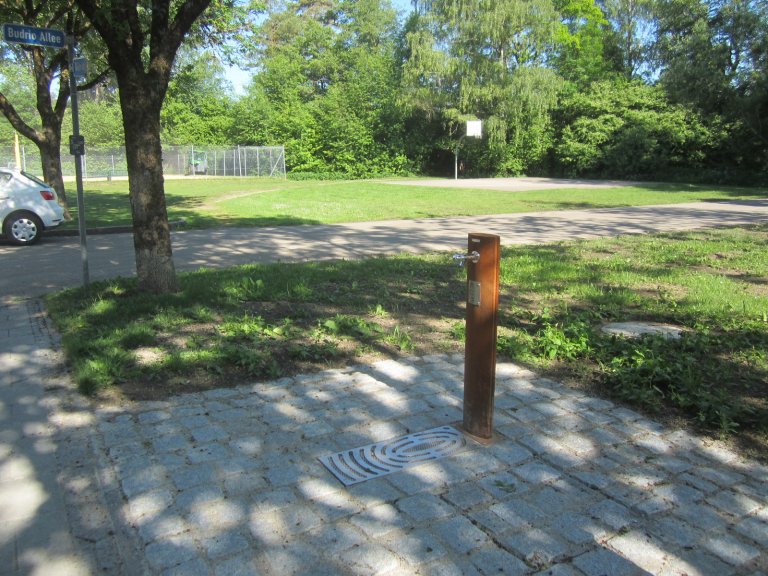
x=229, y=482
x=57, y=261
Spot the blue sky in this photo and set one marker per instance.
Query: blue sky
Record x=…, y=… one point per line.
x=240, y=78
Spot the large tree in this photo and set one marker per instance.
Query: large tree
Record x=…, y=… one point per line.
x=326, y=87
x=633, y=29
x=714, y=56
x=49, y=67
x=474, y=58
x=142, y=38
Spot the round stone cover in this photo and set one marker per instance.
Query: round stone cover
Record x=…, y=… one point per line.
x=637, y=329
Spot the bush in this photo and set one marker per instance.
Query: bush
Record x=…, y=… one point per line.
x=628, y=130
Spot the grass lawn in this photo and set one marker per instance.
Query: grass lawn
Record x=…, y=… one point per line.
x=209, y=202
x=261, y=322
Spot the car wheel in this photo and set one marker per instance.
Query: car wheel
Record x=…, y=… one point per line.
x=22, y=228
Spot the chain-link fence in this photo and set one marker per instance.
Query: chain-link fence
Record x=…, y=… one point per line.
x=263, y=161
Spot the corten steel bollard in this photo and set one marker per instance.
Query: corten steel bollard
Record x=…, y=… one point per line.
x=483, y=258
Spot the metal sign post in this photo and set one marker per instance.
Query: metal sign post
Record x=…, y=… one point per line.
x=483, y=260
x=77, y=149
x=30, y=35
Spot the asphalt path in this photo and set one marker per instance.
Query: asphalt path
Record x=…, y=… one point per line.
x=56, y=262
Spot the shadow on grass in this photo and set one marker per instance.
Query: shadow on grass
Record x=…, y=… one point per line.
x=260, y=322
x=105, y=210
x=714, y=377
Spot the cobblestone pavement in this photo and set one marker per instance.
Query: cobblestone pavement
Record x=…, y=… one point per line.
x=229, y=482
x=54, y=515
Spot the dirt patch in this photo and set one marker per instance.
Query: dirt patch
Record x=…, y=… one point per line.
x=415, y=334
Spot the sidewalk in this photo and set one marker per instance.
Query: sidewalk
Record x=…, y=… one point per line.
x=53, y=509
x=230, y=482
x=58, y=261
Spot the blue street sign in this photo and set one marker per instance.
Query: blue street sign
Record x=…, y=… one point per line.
x=22, y=34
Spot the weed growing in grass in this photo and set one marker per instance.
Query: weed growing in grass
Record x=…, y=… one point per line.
x=352, y=326
x=400, y=338
x=567, y=342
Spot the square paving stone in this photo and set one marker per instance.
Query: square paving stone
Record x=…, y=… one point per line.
x=417, y=548
x=605, y=562
x=518, y=514
x=169, y=552
x=461, y=535
x=370, y=559
x=186, y=477
x=492, y=560
x=425, y=507
x=243, y=564
x=467, y=495
x=376, y=521
x=537, y=547
x=225, y=543
x=730, y=549
x=537, y=473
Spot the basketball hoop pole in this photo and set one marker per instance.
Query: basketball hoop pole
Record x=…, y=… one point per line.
x=456, y=159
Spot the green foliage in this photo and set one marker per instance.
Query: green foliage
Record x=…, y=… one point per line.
x=654, y=372
x=400, y=339
x=712, y=58
x=351, y=326
x=17, y=85
x=197, y=108
x=628, y=130
x=353, y=93
x=581, y=57
x=566, y=342
x=326, y=89
x=101, y=123
x=479, y=60
x=713, y=373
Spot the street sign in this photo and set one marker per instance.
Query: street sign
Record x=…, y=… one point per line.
x=21, y=34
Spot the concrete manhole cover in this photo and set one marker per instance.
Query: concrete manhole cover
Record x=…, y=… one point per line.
x=637, y=329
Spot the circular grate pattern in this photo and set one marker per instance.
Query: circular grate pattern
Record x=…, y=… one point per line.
x=381, y=458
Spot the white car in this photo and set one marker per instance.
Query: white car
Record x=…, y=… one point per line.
x=27, y=207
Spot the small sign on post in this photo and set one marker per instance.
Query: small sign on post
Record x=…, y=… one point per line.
x=80, y=69
x=77, y=145
x=475, y=128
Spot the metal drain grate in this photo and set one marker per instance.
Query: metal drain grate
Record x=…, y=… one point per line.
x=382, y=458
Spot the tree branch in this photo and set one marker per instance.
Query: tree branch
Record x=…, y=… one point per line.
x=100, y=77
x=16, y=121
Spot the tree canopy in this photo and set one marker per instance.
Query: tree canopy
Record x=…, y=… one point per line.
x=351, y=88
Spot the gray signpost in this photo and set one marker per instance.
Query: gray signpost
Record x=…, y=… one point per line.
x=47, y=37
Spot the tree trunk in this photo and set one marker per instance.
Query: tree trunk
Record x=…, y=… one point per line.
x=151, y=231
x=50, y=157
